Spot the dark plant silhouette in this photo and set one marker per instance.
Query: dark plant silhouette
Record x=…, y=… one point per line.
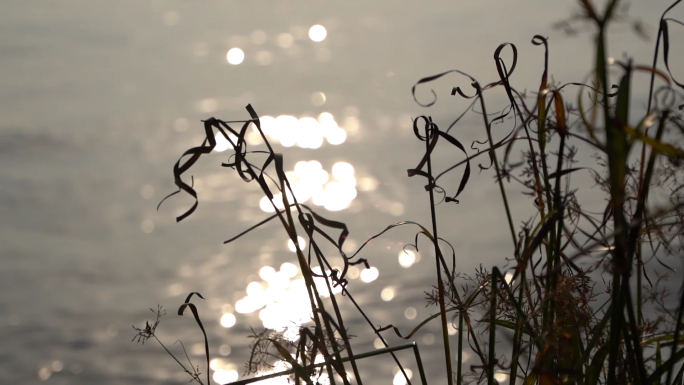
x=550, y=306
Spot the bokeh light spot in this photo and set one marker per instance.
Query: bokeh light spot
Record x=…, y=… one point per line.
x=44, y=373
x=399, y=378
x=258, y=37
x=300, y=241
x=369, y=275
x=318, y=99
x=228, y=320
x=235, y=56
x=285, y=40
x=57, y=366
x=147, y=226
x=387, y=294
x=266, y=273
x=407, y=258
x=317, y=33
x=222, y=144
x=289, y=269
x=223, y=376
x=225, y=350
x=429, y=339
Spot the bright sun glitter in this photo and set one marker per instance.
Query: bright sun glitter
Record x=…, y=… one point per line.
x=235, y=56
x=317, y=33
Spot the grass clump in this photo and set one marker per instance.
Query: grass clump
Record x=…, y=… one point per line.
x=562, y=328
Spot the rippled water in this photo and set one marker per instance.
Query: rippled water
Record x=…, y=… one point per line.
x=99, y=99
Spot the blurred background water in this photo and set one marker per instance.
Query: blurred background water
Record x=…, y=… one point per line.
x=99, y=99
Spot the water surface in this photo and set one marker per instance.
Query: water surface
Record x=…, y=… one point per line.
x=98, y=100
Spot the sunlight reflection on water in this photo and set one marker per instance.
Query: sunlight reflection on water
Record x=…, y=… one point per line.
x=235, y=56
x=282, y=300
x=180, y=67
x=306, y=132
x=310, y=181
x=317, y=33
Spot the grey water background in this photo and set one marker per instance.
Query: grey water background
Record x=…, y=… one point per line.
x=94, y=100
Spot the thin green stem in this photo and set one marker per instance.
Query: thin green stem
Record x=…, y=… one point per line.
x=459, y=378
x=496, y=167
x=517, y=337
x=492, y=328
x=440, y=285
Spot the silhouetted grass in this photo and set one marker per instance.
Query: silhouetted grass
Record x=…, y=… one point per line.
x=548, y=309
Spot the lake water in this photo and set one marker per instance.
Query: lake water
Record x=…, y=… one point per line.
x=99, y=99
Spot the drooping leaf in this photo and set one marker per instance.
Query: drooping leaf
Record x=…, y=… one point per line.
x=193, y=308
x=663, y=148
